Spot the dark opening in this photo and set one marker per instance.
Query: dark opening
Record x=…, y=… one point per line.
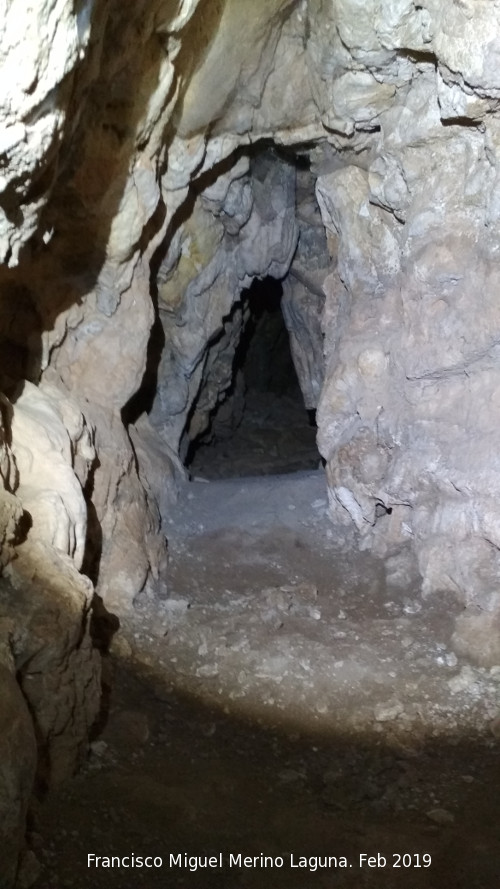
x=262, y=426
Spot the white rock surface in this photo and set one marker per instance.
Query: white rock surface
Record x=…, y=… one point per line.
x=48, y=431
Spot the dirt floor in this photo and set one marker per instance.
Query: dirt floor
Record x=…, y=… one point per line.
x=282, y=701
x=276, y=436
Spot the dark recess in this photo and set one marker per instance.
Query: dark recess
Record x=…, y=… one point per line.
x=267, y=428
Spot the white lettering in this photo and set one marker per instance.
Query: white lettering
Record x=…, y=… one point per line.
x=317, y=861
x=261, y=860
x=128, y=861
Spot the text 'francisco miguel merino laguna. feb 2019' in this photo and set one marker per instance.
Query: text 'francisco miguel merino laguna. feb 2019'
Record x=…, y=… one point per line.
x=240, y=860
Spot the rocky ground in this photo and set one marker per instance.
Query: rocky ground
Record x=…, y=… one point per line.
x=276, y=436
x=283, y=698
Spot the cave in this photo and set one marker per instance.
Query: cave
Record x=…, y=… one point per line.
x=260, y=425
x=249, y=457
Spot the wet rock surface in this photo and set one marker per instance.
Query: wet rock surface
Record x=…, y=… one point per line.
x=284, y=699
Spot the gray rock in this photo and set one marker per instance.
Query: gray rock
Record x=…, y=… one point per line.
x=440, y=816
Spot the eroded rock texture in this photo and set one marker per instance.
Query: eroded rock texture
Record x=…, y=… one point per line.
x=241, y=227
x=153, y=164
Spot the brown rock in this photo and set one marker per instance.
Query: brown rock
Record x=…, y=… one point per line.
x=18, y=759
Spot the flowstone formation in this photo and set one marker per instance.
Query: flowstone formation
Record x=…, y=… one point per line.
x=153, y=164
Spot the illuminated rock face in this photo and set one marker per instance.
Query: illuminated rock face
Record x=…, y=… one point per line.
x=170, y=153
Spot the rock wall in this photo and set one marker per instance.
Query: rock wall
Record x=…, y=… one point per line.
x=242, y=226
x=153, y=164
x=49, y=671
x=407, y=417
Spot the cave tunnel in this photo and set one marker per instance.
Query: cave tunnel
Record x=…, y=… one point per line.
x=260, y=425
x=216, y=218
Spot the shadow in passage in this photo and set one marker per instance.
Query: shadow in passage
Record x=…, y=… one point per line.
x=171, y=775
x=260, y=425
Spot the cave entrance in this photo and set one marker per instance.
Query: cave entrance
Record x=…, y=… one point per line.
x=260, y=426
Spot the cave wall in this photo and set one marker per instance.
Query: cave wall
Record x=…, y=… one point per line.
x=408, y=414
x=132, y=187
x=242, y=226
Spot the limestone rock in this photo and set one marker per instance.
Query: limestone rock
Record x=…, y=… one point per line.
x=47, y=713
x=94, y=360
x=46, y=452
x=303, y=294
x=477, y=636
x=160, y=469
x=40, y=48
x=213, y=85
x=11, y=514
x=18, y=754
x=242, y=227
x=128, y=548
x=47, y=604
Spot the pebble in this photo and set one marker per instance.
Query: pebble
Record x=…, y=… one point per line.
x=175, y=608
x=98, y=748
x=466, y=680
x=29, y=870
x=447, y=660
x=159, y=629
x=290, y=776
x=412, y=607
x=495, y=727
x=120, y=647
x=384, y=712
x=440, y=816
x=208, y=670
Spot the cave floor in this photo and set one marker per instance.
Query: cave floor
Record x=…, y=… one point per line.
x=281, y=699
x=274, y=436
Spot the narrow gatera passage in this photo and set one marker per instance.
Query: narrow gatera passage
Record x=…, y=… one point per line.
x=260, y=425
